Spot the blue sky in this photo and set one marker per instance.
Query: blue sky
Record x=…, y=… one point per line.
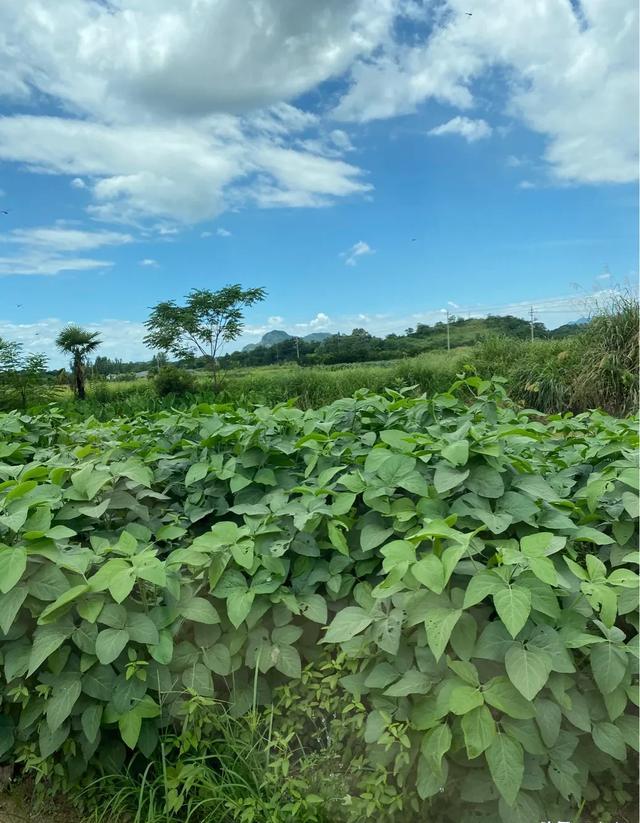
x=370, y=162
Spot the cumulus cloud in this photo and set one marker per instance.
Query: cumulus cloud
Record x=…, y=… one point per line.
x=223, y=232
x=572, y=78
x=471, y=130
x=204, y=121
x=218, y=113
x=357, y=250
x=149, y=262
x=49, y=250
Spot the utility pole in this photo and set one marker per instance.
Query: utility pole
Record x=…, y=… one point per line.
x=298, y=349
x=531, y=321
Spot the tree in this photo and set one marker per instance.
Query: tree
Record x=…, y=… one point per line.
x=23, y=377
x=79, y=343
x=207, y=321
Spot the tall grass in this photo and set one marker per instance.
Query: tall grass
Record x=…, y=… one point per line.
x=597, y=368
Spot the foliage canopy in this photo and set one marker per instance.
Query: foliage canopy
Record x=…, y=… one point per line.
x=474, y=565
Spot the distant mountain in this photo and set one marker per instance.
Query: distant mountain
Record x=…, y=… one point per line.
x=272, y=338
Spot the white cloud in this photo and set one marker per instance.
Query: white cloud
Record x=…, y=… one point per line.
x=526, y=184
x=78, y=183
x=149, y=262
x=471, y=130
x=320, y=322
x=357, y=250
x=605, y=276
x=206, y=234
x=49, y=250
x=223, y=232
x=60, y=239
x=572, y=78
x=275, y=320
x=203, y=122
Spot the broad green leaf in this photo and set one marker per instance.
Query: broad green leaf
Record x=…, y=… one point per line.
x=46, y=640
x=608, y=738
x=479, y=730
x=199, y=610
x=435, y=744
x=10, y=605
x=239, y=605
x=485, y=481
x=196, y=472
x=439, y=624
x=608, y=664
x=62, y=602
x=411, y=682
x=505, y=759
x=129, y=725
x=110, y=643
x=464, y=699
x=502, y=695
x=457, y=453
x=482, y=585
x=13, y=562
x=528, y=669
x=347, y=623
x=61, y=703
x=90, y=720
x=218, y=659
x=513, y=605
x=446, y=478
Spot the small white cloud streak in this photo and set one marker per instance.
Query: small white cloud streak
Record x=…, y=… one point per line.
x=471, y=130
x=358, y=249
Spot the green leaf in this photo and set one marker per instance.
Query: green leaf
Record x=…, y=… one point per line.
x=13, y=562
x=90, y=721
x=482, y=585
x=485, y=482
x=456, y=453
x=608, y=738
x=435, y=744
x=239, y=605
x=130, y=725
x=218, y=659
x=464, y=699
x=200, y=611
x=479, y=730
x=142, y=629
x=513, y=605
x=10, y=605
x=430, y=572
x=46, y=640
x=347, y=623
x=609, y=665
x=549, y=720
x=336, y=536
x=110, y=643
x=196, y=472
x=411, y=682
x=505, y=759
x=439, y=624
x=288, y=661
x=528, y=669
x=61, y=703
x=64, y=600
x=502, y=695
x=446, y=478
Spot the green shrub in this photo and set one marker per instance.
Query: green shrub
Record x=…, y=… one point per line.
x=171, y=380
x=474, y=567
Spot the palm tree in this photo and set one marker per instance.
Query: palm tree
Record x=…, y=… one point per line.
x=78, y=342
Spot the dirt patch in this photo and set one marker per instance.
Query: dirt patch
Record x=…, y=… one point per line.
x=18, y=805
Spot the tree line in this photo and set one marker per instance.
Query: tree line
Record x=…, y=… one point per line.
x=195, y=333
